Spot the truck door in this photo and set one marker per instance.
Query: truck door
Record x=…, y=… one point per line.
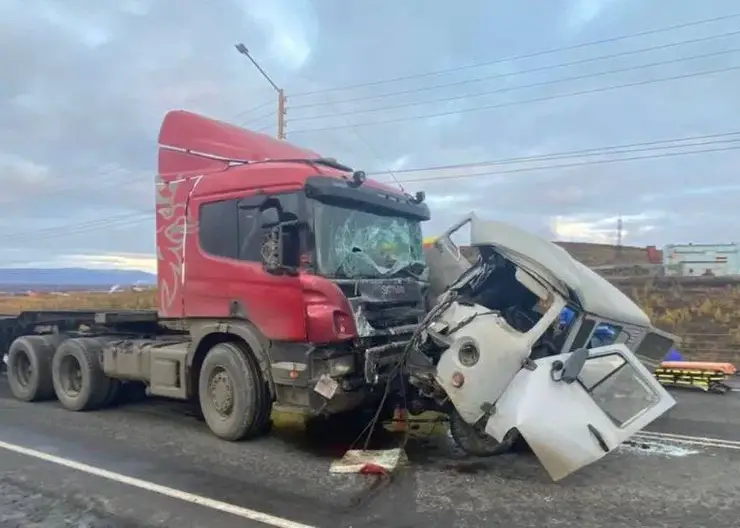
x=571, y=423
x=224, y=273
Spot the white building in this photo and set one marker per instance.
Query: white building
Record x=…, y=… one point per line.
x=701, y=259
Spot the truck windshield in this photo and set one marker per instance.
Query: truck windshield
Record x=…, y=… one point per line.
x=353, y=244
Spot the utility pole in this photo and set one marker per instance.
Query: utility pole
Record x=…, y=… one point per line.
x=241, y=48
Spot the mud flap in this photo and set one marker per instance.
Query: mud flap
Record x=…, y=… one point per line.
x=571, y=422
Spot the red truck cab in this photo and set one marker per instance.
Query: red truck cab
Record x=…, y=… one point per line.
x=284, y=278
x=320, y=265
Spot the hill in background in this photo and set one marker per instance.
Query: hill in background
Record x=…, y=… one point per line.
x=12, y=279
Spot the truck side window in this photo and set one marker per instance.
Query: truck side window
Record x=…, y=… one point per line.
x=250, y=227
x=218, y=228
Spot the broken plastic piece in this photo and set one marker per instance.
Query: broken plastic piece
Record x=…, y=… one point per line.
x=369, y=462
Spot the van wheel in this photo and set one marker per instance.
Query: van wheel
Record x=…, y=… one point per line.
x=475, y=442
x=79, y=381
x=29, y=369
x=233, y=396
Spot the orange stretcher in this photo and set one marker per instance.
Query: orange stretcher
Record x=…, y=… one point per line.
x=708, y=376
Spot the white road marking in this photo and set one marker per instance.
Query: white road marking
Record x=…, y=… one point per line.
x=688, y=440
x=245, y=513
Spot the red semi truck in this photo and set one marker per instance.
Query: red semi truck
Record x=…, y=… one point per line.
x=284, y=278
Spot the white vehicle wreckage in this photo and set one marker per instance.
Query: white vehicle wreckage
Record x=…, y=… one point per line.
x=493, y=354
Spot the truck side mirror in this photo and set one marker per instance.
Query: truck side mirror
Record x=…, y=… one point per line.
x=280, y=251
x=270, y=218
x=271, y=252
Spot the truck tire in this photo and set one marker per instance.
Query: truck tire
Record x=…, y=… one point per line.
x=29, y=369
x=233, y=396
x=79, y=381
x=475, y=442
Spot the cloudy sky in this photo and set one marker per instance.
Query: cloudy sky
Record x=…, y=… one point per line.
x=86, y=83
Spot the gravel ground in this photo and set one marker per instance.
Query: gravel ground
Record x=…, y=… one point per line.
x=655, y=484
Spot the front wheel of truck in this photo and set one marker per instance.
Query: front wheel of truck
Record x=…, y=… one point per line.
x=233, y=396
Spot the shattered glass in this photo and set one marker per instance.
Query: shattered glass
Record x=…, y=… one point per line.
x=358, y=244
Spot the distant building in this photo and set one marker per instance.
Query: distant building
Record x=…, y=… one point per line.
x=702, y=259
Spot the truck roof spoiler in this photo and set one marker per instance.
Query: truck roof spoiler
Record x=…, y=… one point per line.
x=191, y=132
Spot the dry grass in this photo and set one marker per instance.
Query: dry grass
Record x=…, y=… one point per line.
x=705, y=313
x=76, y=301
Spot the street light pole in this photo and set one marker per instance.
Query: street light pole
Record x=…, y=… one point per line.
x=241, y=48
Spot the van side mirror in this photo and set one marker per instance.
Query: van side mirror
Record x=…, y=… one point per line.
x=571, y=367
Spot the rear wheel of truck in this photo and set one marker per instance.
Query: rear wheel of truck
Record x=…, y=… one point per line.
x=233, y=395
x=477, y=443
x=79, y=381
x=29, y=369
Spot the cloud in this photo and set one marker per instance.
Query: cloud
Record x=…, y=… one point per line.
x=581, y=13
x=91, y=81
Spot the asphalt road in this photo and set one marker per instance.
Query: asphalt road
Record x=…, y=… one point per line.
x=656, y=482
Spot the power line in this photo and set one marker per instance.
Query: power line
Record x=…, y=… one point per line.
x=75, y=189
x=500, y=60
x=525, y=55
x=253, y=120
x=566, y=165
x=519, y=72
x=611, y=149
x=526, y=101
x=123, y=220
x=523, y=86
x=129, y=219
x=253, y=109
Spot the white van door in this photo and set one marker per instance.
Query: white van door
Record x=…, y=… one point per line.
x=574, y=408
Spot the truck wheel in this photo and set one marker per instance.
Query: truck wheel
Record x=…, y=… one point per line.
x=29, y=369
x=79, y=380
x=232, y=393
x=474, y=441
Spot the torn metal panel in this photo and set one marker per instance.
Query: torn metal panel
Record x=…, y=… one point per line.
x=383, y=307
x=541, y=257
x=500, y=351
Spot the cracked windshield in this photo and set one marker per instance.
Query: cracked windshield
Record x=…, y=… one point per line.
x=358, y=244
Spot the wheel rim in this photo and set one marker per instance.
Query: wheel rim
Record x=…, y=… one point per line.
x=221, y=392
x=22, y=370
x=70, y=376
